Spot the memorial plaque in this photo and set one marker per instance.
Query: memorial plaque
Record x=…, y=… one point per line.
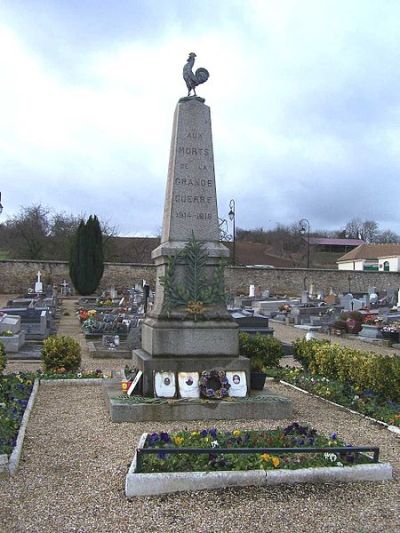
x=165, y=385
x=189, y=384
x=237, y=381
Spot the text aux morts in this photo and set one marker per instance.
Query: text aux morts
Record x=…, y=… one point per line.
x=182, y=150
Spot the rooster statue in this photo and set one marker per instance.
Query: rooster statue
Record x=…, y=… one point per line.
x=191, y=78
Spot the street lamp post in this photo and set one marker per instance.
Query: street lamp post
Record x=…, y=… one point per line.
x=232, y=218
x=305, y=228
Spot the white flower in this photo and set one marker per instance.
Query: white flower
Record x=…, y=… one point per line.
x=331, y=456
x=79, y=375
x=339, y=463
x=214, y=444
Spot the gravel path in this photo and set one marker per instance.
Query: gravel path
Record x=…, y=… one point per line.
x=72, y=474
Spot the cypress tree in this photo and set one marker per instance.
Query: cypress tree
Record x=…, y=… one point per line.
x=86, y=265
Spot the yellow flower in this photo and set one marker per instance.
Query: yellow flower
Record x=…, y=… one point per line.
x=265, y=457
x=195, y=433
x=275, y=461
x=236, y=433
x=178, y=440
x=195, y=307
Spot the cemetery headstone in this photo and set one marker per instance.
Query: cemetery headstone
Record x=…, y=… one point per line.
x=38, y=284
x=14, y=337
x=304, y=297
x=391, y=296
x=346, y=301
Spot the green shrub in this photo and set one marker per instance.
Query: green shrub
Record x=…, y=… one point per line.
x=257, y=364
x=365, y=371
x=263, y=347
x=304, y=350
x=61, y=353
x=3, y=358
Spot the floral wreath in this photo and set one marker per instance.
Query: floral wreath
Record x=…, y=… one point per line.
x=214, y=384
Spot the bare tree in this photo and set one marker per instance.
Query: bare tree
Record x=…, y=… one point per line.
x=387, y=236
x=37, y=232
x=366, y=230
x=25, y=234
x=369, y=231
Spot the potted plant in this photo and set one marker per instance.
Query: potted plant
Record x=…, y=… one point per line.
x=257, y=374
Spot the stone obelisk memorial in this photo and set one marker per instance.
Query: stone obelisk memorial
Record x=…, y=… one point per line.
x=189, y=328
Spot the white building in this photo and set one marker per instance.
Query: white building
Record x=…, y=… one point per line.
x=378, y=257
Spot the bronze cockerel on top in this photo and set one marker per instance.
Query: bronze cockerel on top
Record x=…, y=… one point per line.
x=191, y=78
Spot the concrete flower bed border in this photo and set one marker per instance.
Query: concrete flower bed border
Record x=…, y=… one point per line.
x=72, y=381
x=153, y=484
x=389, y=427
x=9, y=465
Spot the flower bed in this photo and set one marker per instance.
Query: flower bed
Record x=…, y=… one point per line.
x=15, y=390
x=207, y=459
x=275, y=441
x=363, y=381
x=365, y=401
x=62, y=374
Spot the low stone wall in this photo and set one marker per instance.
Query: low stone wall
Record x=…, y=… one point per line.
x=292, y=281
x=17, y=275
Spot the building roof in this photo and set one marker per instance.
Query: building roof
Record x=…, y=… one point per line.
x=371, y=251
x=335, y=242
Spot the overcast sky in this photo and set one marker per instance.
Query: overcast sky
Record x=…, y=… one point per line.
x=304, y=97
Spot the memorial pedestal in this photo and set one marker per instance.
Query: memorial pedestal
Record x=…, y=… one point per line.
x=149, y=365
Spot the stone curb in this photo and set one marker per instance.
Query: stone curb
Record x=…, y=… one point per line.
x=392, y=429
x=137, y=484
x=83, y=381
x=17, y=451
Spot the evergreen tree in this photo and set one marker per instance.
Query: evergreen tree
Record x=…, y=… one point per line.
x=86, y=265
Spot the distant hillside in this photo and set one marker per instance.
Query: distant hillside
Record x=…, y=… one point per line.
x=138, y=250
x=131, y=249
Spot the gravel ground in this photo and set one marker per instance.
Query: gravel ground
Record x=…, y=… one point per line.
x=72, y=474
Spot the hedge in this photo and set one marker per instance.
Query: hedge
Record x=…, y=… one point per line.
x=362, y=370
